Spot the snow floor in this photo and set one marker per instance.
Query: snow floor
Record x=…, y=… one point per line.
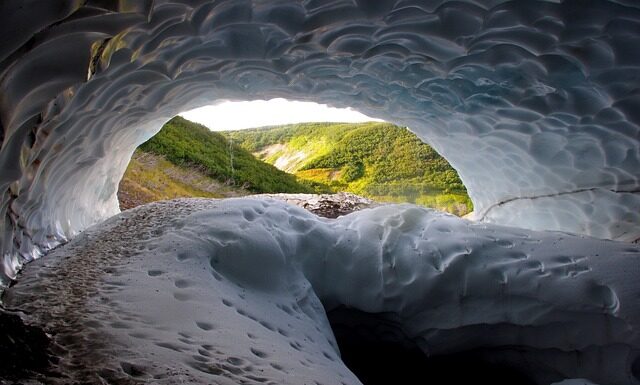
x=236, y=291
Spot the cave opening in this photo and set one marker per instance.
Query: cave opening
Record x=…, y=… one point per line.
x=276, y=146
x=376, y=349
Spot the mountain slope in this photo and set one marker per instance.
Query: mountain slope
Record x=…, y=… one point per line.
x=150, y=177
x=186, y=143
x=185, y=159
x=289, y=147
x=378, y=160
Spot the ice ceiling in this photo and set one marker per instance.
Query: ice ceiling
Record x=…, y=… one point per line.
x=535, y=103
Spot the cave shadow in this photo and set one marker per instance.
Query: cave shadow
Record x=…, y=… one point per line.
x=378, y=352
x=24, y=349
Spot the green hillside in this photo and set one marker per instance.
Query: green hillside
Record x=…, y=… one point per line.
x=378, y=160
x=150, y=177
x=185, y=143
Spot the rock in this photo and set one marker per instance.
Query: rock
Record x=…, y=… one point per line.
x=325, y=205
x=24, y=348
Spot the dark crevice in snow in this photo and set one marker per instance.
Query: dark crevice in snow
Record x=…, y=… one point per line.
x=23, y=348
x=95, y=58
x=635, y=368
x=379, y=352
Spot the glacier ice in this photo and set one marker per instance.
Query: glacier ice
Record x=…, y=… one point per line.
x=535, y=103
x=236, y=290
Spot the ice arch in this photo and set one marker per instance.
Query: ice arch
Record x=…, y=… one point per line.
x=534, y=102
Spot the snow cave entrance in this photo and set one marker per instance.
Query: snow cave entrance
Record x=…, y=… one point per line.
x=278, y=146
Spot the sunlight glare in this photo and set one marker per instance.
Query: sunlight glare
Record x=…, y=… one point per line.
x=248, y=114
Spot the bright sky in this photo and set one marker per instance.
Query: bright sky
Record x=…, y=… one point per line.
x=239, y=115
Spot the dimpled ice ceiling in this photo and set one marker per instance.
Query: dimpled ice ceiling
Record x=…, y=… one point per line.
x=535, y=103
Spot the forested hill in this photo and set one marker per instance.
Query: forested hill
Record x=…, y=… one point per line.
x=378, y=160
x=185, y=143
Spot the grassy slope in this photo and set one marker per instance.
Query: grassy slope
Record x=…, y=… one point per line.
x=185, y=143
x=185, y=159
x=378, y=160
x=151, y=178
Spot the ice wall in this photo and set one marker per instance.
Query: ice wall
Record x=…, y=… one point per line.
x=534, y=102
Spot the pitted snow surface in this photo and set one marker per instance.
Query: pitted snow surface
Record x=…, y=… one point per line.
x=233, y=291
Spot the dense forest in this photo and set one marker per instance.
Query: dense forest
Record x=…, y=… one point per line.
x=378, y=160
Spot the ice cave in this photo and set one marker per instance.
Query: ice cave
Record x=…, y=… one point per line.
x=536, y=103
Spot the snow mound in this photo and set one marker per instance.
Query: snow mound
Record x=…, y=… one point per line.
x=535, y=103
x=236, y=290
